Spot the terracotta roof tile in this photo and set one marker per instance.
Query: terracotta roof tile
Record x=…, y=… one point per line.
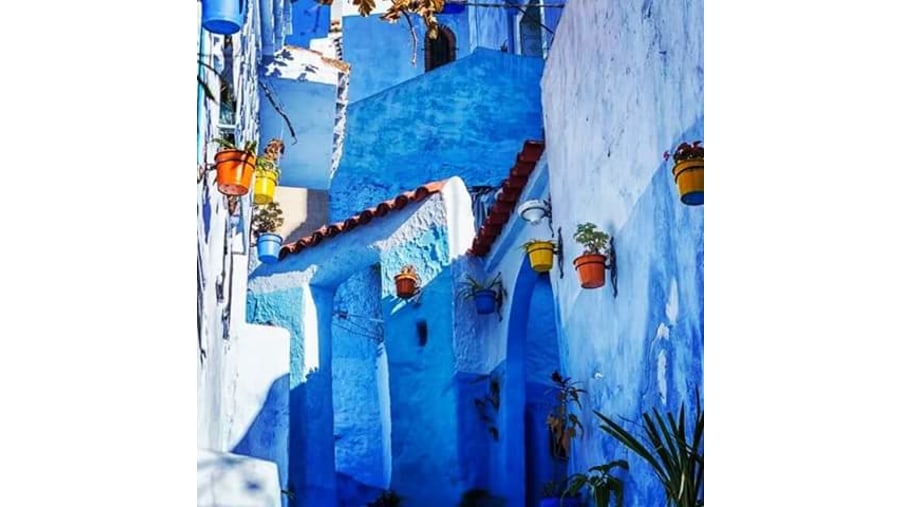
x=511, y=190
x=361, y=218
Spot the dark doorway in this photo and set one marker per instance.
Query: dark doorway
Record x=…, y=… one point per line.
x=440, y=51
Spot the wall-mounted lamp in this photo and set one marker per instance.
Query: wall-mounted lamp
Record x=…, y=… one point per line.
x=535, y=210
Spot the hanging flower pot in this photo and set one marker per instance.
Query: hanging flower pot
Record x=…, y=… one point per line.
x=267, y=247
x=267, y=218
x=487, y=295
x=267, y=172
x=688, y=172
x=540, y=254
x=591, y=265
x=407, y=282
x=235, y=168
x=485, y=302
x=224, y=17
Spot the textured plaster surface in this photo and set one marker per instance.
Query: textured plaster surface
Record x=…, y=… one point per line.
x=389, y=62
x=306, y=87
x=225, y=479
x=391, y=412
x=433, y=127
x=606, y=131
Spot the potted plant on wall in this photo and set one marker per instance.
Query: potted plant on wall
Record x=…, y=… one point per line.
x=540, y=254
x=688, y=172
x=267, y=172
x=267, y=219
x=564, y=426
x=407, y=282
x=591, y=265
x=235, y=167
x=488, y=295
x=600, y=483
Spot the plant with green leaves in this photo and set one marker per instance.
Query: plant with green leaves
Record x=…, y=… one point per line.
x=595, y=241
x=564, y=426
x=473, y=285
x=674, y=452
x=249, y=146
x=267, y=218
x=601, y=484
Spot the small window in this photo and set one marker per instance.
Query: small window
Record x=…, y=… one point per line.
x=530, y=32
x=440, y=51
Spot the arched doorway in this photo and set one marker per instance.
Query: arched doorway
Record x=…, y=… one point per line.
x=440, y=51
x=532, y=357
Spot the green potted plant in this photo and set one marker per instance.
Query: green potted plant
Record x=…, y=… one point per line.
x=564, y=426
x=488, y=295
x=267, y=219
x=540, y=254
x=267, y=172
x=601, y=484
x=591, y=265
x=673, y=451
x=235, y=167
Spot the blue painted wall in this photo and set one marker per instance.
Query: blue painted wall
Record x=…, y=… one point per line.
x=380, y=53
x=310, y=20
x=465, y=119
x=360, y=390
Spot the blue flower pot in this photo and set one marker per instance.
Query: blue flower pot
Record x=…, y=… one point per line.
x=554, y=502
x=224, y=17
x=267, y=247
x=485, y=301
x=453, y=8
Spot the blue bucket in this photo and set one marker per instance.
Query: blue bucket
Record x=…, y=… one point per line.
x=224, y=17
x=485, y=301
x=267, y=247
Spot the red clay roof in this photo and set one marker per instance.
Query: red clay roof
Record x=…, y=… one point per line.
x=361, y=218
x=505, y=205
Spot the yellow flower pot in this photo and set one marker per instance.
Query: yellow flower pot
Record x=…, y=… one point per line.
x=540, y=254
x=689, y=178
x=264, y=186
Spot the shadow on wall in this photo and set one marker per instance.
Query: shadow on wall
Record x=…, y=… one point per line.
x=267, y=435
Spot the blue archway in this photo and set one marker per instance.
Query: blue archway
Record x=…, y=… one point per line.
x=532, y=355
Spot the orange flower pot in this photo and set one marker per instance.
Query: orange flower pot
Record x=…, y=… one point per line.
x=689, y=178
x=407, y=285
x=234, y=171
x=591, y=270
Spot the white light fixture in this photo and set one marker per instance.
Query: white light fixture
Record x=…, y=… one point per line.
x=534, y=211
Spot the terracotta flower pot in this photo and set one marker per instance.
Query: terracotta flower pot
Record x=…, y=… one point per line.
x=407, y=285
x=689, y=178
x=234, y=171
x=591, y=270
x=540, y=254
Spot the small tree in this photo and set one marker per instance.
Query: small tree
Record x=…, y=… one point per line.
x=594, y=241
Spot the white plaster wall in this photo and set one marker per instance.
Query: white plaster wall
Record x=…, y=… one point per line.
x=231, y=480
x=607, y=128
x=238, y=363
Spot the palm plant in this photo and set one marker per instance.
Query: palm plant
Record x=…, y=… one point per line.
x=676, y=460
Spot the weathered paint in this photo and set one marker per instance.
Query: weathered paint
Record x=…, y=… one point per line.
x=433, y=127
x=397, y=405
x=231, y=479
x=308, y=88
x=388, y=62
